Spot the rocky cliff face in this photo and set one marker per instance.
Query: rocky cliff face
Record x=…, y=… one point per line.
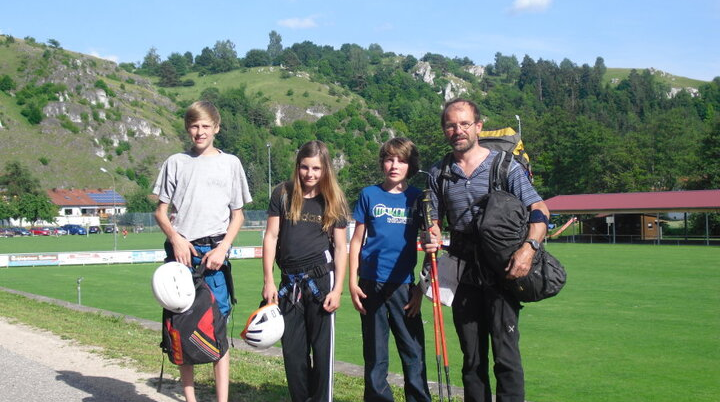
x=454, y=87
x=103, y=116
x=286, y=114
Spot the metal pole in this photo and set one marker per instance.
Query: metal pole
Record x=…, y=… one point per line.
x=707, y=230
x=269, y=171
x=78, y=290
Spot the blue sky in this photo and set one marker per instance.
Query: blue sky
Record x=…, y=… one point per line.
x=680, y=37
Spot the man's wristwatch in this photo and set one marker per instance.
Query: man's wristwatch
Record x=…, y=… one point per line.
x=534, y=244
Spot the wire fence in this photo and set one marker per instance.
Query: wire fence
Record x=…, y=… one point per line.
x=146, y=220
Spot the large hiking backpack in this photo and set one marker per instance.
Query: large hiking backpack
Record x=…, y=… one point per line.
x=501, y=225
x=199, y=334
x=506, y=139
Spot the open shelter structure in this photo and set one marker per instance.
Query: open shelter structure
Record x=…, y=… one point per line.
x=636, y=214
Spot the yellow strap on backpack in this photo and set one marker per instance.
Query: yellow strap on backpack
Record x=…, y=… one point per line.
x=510, y=137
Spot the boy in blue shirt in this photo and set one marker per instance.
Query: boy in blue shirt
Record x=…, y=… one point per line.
x=381, y=274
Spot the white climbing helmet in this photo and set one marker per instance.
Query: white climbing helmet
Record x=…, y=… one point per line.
x=264, y=327
x=173, y=287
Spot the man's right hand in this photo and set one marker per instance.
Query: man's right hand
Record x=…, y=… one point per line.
x=429, y=241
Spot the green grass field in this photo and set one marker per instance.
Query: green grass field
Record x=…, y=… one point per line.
x=669, y=79
x=634, y=323
x=266, y=80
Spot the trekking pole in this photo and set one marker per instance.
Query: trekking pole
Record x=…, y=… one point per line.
x=437, y=309
x=441, y=324
x=436, y=327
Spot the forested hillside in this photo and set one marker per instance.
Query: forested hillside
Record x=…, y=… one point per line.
x=586, y=130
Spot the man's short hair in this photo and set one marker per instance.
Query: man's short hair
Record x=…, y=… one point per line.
x=405, y=150
x=455, y=103
x=201, y=110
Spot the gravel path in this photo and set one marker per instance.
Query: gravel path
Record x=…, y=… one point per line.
x=40, y=366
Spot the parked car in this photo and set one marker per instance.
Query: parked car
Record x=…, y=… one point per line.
x=45, y=231
x=21, y=231
x=109, y=229
x=60, y=231
x=6, y=232
x=74, y=229
x=94, y=229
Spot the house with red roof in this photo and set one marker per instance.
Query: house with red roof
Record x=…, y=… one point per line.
x=86, y=206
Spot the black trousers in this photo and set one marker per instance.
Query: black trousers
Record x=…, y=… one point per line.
x=308, y=343
x=483, y=317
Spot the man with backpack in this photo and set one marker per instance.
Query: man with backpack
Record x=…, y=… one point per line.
x=482, y=309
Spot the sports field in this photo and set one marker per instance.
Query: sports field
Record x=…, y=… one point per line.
x=634, y=323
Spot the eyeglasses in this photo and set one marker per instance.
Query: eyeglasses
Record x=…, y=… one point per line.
x=464, y=125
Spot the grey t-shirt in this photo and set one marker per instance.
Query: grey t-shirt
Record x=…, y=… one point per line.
x=202, y=191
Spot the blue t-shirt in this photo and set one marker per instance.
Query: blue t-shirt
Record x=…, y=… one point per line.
x=391, y=220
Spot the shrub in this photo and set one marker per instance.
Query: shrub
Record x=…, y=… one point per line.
x=102, y=85
x=122, y=147
x=67, y=124
x=33, y=113
x=43, y=161
x=7, y=83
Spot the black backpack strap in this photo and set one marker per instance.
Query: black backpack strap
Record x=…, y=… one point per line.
x=442, y=183
x=499, y=171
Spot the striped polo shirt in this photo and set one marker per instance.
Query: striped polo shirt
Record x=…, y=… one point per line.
x=462, y=191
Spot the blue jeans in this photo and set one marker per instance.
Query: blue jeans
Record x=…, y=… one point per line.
x=384, y=306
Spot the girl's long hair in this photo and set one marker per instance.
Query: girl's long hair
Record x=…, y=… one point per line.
x=336, y=208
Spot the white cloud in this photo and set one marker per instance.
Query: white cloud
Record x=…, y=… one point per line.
x=298, y=23
x=111, y=57
x=521, y=6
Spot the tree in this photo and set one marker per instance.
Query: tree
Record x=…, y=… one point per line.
x=290, y=60
x=707, y=165
x=179, y=62
x=7, y=83
x=225, y=56
x=54, y=43
x=7, y=210
x=140, y=202
x=375, y=52
x=151, y=62
x=18, y=180
x=256, y=58
x=205, y=59
x=274, y=48
x=409, y=62
x=168, y=76
x=188, y=59
x=35, y=207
